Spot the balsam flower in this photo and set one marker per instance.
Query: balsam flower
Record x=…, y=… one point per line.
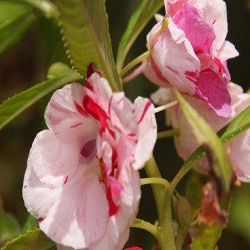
x=81, y=180
x=186, y=143
x=188, y=50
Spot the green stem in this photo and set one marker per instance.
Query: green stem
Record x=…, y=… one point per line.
x=153, y=171
x=47, y=8
x=155, y=181
x=164, y=207
x=182, y=172
x=132, y=64
x=167, y=238
x=147, y=226
x=168, y=134
x=181, y=235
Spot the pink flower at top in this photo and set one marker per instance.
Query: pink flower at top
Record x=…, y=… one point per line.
x=186, y=143
x=190, y=52
x=81, y=180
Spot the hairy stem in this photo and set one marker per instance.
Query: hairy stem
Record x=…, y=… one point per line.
x=155, y=181
x=147, y=226
x=153, y=171
x=167, y=238
x=163, y=202
x=182, y=232
x=168, y=134
x=183, y=171
x=135, y=62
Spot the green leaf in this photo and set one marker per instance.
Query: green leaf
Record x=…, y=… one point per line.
x=59, y=76
x=211, y=143
x=86, y=33
x=31, y=223
x=138, y=21
x=194, y=192
x=15, y=19
x=207, y=238
x=32, y=240
x=238, y=125
x=9, y=227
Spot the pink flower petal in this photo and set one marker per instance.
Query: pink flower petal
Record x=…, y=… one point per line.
x=212, y=89
x=172, y=56
x=65, y=115
x=53, y=161
x=197, y=31
x=172, y=6
x=76, y=219
x=240, y=155
x=227, y=51
x=147, y=132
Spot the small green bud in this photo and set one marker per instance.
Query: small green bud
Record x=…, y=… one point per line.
x=183, y=211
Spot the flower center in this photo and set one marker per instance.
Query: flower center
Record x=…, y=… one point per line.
x=112, y=186
x=88, y=151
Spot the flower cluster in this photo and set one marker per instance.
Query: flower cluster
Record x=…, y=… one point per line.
x=186, y=143
x=195, y=35
x=82, y=181
x=188, y=50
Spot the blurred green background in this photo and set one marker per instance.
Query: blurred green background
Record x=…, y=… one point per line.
x=27, y=63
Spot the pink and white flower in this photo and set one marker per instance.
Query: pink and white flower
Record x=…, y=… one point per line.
x=186, y=143
x=81, y=180
x=190, y=52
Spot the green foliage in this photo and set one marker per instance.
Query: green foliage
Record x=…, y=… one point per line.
x=207, y=238
x=86, y=33
x=183, y=211
x=31, y=223
x=32, y=240
x=138, y=21
x=9, y=227
x=240, y=212
x=240, y=124
x=59, y=75
x=194, y=192
x=211, y=143
x=15, y=19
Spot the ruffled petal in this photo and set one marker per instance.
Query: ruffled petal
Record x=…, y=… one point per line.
x=212, y=89
x=154, y=75
x=240, y=155
x=77, y=219
x=162, y=96
x=147, y=132
x=226, y=52
x=53, y=161
x=172, y=6
x=214, y=13
x=173, y=57
x=197, y=31
x=66, y=116
x=38, y=197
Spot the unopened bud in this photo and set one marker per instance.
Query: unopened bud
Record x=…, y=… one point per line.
x=183, y=211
